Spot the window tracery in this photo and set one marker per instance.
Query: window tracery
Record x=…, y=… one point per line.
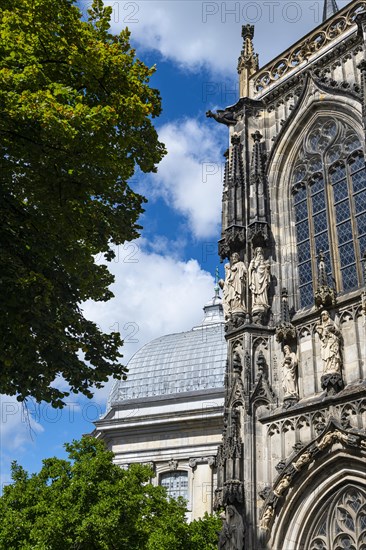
x=329, y=183
x=342, y=523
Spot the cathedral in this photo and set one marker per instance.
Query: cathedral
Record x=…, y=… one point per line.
x=259, y=411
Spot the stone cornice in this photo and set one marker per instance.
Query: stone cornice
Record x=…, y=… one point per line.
x=320, y=402
x=325, y=36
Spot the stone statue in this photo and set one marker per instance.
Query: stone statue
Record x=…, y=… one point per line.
x=326, y=440
x=282, y=486
x=234, y=286
x=259, y=280
x=305, y=458
x=267, y=517
x=289, y=370
x=330, y=338
x=232, y=533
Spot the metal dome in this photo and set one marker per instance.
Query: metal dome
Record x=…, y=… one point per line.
x=177, y=363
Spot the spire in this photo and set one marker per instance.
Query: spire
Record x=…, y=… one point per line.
x=248, y=60
x=235, y=183
x=216, y=287
x=325, y=295
x=285, y=331
x=258, y=226
x=330, y=8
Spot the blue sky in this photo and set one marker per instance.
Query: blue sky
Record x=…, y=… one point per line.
x=163, y=280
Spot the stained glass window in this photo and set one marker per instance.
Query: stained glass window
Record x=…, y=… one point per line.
x=330, y=206
x=342, y=522
x=175, y=483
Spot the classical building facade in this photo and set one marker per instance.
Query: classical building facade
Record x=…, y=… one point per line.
x=291, y=466
x=168, y=413
x=260, y=411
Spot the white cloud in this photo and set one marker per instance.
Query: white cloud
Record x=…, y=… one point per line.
x=197, y=34
x=156, y=295
x=190, y=176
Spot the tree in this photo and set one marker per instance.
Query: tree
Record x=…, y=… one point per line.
x=89, y=503
x=75, y=123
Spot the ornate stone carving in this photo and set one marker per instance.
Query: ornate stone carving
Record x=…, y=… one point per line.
x=331, y=437
x=193, y=463
x=233, y=491
x=266, y=519
x=330, y=351
x=217, y=504
x=281, y=466
x=325, y=295
x=282, y=486
x=298, y=446
x=304, y=459
x=231, y=536
x=289, y=377
x=262, y=392
x=258, y=232
x=234, y=237
x=238, y=354
x=285, y=331
x=224, y=116
x=307, y=47
x=211, y=461
x=264, y=494
x=173, y=465
x=234, y=287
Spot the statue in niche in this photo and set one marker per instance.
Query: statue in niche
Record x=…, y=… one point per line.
x=259, y=279
x=234, y=286
x=330, y=338
x=289, y=370
x=232, y=533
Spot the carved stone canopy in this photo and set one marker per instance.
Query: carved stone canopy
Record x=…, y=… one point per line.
x=233, y=240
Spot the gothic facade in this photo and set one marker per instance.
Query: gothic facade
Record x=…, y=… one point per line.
x=291, y=467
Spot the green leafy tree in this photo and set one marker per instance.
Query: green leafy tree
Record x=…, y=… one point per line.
x=75, y=123
x=89, y=503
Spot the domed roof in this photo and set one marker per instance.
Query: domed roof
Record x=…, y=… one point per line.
x=177, y=363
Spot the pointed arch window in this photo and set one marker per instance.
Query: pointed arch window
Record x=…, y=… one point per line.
x=341, y=523
x=328, y=186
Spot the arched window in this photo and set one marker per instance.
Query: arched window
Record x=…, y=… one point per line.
x=328, y=184
x=175, y=483
x=342, y=522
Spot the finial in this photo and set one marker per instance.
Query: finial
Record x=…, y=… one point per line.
x=325, y=295
x=285, y=331
x=323, y=279
x=330, y=8
x=257, y=136
x=247, y=31
x=217, y=288
x=248, y=60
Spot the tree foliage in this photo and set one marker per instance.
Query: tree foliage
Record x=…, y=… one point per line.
x=75, y=122
x=89, y=503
